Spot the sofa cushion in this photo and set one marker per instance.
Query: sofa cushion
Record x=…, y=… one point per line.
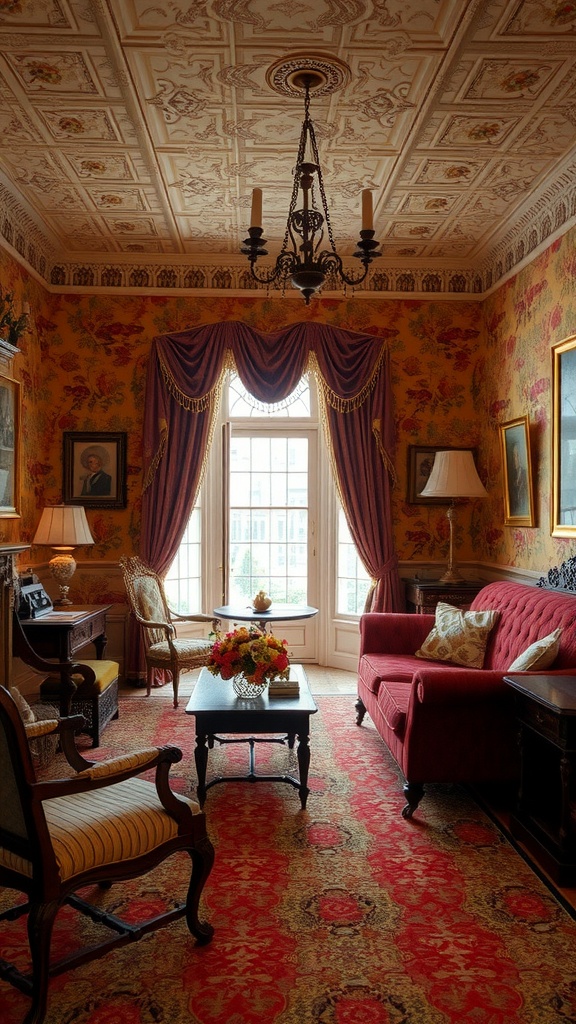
x=458, y=636
x=373, y=668
x=540, y=655
x=393, y=701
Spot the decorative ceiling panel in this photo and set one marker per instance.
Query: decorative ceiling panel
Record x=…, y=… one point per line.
x=132, y=131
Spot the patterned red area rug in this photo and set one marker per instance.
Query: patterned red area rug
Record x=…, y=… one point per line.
x=342, y=914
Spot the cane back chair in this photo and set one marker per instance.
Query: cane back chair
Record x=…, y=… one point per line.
x=164, y=650
x=102, y=825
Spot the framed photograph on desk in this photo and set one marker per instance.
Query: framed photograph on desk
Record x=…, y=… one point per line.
x=95, y=469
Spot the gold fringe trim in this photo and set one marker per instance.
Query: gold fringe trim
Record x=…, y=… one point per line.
x=208, y=402
x=377, y=432
x=158, y=456
x=328, y=397
x=336, y=401
x=200, y=404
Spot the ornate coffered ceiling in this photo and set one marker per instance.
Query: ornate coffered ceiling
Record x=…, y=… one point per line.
x=133, y=132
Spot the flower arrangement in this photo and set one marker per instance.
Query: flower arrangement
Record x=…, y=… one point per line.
x=259, y=657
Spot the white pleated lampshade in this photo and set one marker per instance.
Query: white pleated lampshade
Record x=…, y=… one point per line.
x=63, y=526
x=454, y=476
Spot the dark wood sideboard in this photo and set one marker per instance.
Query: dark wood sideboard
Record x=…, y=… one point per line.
x=422, y=596
x=544, y=819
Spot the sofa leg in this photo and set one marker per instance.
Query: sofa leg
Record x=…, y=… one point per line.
x=413, y=791
x=360, y=711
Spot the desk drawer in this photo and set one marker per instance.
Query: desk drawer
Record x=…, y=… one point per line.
x=84, y=632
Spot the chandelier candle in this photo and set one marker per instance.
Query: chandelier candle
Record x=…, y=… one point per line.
x=367, y=212
x=256, y=212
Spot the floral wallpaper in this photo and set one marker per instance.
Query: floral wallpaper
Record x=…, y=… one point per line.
x=513, y=377
x=460, y=368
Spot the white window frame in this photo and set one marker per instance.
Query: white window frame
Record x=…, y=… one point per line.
x=338, y=635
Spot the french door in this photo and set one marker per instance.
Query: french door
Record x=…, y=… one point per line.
x=269, y=508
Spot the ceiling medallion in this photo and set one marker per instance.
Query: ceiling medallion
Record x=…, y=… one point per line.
x=324, y=72
x=301, y=259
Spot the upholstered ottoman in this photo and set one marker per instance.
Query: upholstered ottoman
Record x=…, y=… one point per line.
x=97, y=701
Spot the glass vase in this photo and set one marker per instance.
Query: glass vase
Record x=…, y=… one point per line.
x=244, y=687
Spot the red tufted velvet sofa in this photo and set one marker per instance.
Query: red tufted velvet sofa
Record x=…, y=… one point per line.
x=445, y=723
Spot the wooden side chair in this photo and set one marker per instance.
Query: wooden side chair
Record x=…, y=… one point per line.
x=164, y=650
x=102, y=825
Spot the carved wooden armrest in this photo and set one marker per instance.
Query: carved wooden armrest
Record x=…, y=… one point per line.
x=96, y=775
x=36, y=729
x=135, y=763
x=150, y=624
x=199, y=617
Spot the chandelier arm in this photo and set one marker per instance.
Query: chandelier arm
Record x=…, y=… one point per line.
x=330, y=262
x=286, y=264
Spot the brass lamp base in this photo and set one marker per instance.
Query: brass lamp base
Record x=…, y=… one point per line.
x=452, y=575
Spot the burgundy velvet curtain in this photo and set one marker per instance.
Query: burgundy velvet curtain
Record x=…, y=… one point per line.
x=185, y=375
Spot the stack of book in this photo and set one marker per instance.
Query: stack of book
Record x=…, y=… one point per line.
x=284, y=687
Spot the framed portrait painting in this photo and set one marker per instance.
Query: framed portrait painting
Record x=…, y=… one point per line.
x=564, y=438
x=95, y=469
x=9, y=448
x=420, y=462
x=517, y=472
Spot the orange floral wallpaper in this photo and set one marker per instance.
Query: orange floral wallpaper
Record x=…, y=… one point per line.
x=459, y=369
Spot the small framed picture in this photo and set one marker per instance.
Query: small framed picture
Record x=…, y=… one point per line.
x=9, y=448
x=95, y=469
x=517, y=469
x=420, y=462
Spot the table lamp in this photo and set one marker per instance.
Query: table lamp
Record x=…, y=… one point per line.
x=453, y=476
x=63, y=527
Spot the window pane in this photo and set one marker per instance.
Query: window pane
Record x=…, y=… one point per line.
x=183, y=581
x=241, y=404
x=269, y=539
x=353, y=581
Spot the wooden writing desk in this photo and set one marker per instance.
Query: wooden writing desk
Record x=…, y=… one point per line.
x=63, y=632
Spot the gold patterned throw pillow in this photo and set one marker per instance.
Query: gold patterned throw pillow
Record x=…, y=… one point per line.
x=539, y=655
x=459, y=637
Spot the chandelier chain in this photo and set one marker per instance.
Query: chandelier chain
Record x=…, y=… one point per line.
x=300, y=258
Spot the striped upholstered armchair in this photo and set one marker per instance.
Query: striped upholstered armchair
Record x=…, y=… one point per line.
x=102, y=825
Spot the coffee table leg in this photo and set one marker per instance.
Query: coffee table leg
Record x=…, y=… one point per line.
x=303, y=766
x=201, y=759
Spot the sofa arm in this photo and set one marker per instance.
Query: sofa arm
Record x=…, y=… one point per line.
x=458, y=685
x=393, y=632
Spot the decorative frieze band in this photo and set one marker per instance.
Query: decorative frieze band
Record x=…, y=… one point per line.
x=549, y=216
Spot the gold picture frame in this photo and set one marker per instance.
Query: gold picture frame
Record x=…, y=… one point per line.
x=9, y=448
x=563, y=513
x=517, y=472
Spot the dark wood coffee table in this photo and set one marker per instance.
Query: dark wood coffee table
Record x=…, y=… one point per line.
x=217, y=710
